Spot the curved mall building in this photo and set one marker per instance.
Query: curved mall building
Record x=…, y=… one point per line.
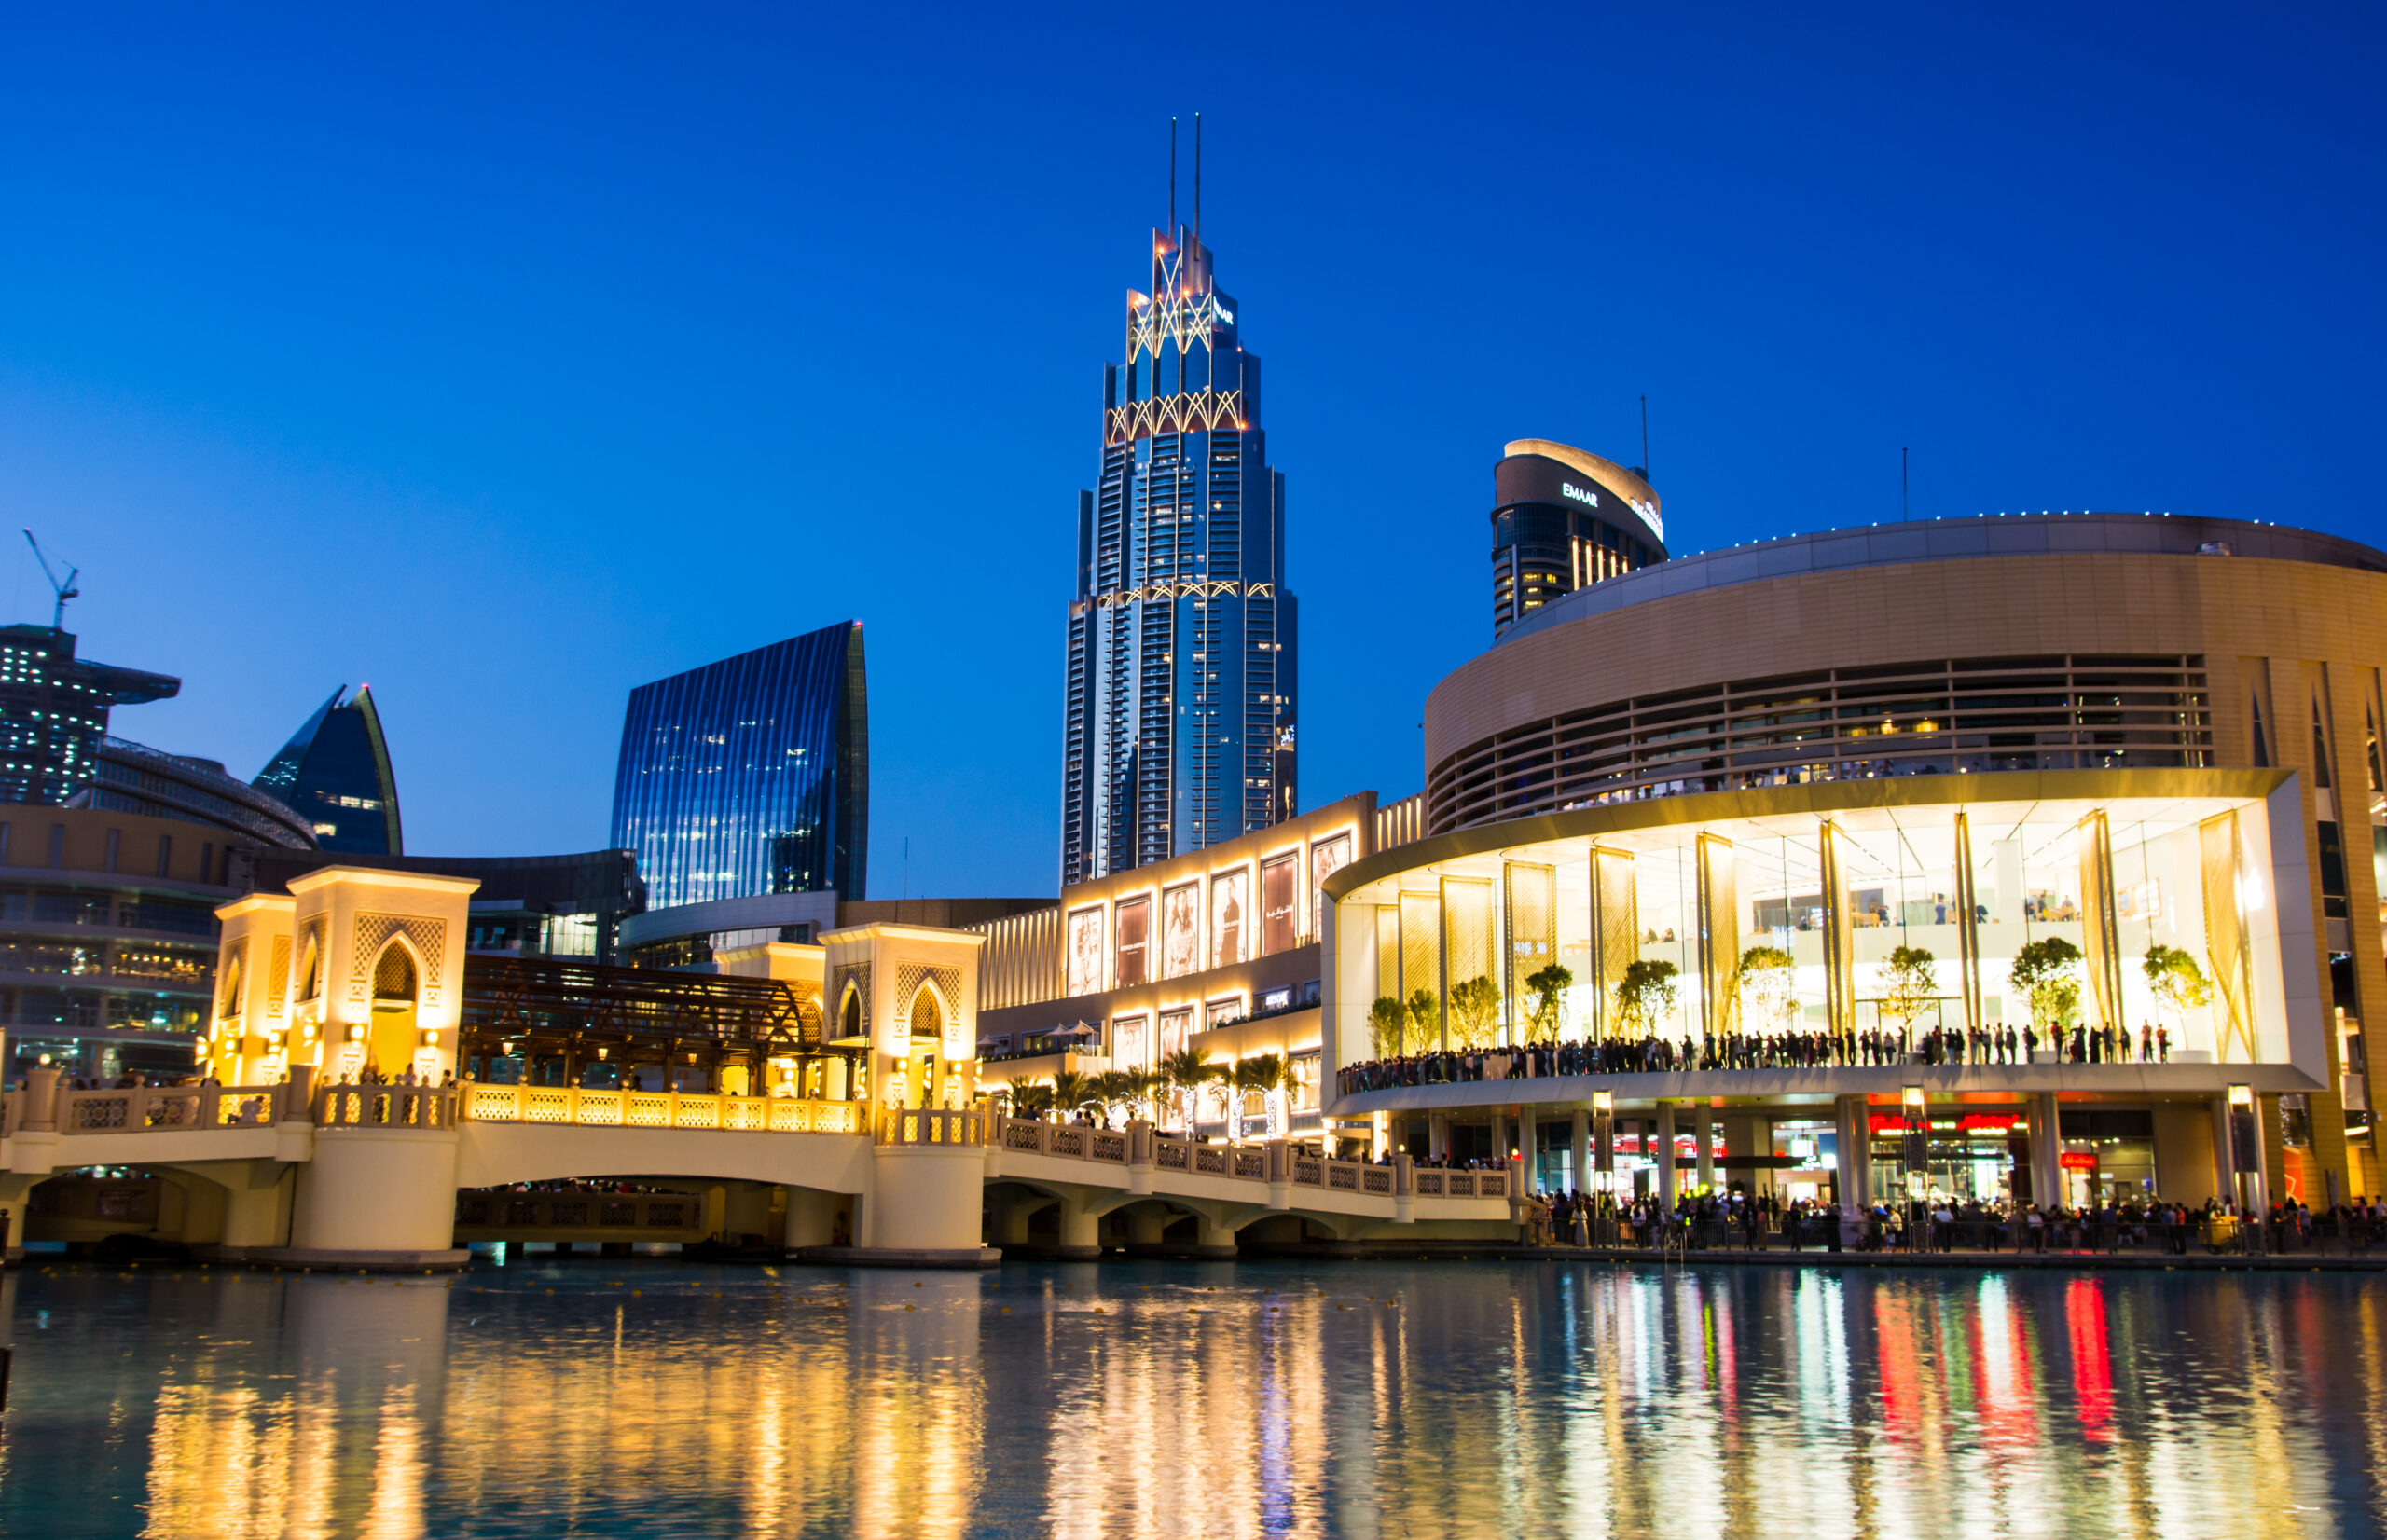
x=1800, y=821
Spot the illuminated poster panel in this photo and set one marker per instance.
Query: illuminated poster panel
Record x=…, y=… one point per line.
x=1175, y=1028
x=1325, y=858
x=1280, y=897
x=1180, y=923
x=1083, y=958
x=1130, y=1049
x=1134, y=927
x=1228, y=901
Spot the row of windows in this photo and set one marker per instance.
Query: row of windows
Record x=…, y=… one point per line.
x=1931, y=718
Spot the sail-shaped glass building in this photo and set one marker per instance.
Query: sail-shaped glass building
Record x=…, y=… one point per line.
x=335, y=772
x=750, y=775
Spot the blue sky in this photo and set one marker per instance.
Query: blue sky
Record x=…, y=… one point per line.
x=509, y=358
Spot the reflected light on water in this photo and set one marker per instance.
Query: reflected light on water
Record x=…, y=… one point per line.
x=1234, y=1400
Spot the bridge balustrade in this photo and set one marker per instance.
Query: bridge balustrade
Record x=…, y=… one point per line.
x=610, y=1108
x=339, y=1107
x=134, y=1108
x=1240, y=1163
x=935, y=1125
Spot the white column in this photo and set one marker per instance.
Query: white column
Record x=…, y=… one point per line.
x=1577, y=1176
x=1529, y=1146
x=1667, y=1187
x=1706, y=1146
x=2047, y=1150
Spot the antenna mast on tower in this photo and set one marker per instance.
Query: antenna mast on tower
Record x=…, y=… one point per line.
x=1197, y=181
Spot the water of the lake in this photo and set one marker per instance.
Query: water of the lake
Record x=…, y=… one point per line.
x=649, y=1398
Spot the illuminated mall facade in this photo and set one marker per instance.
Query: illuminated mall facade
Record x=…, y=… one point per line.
x=1760, y=773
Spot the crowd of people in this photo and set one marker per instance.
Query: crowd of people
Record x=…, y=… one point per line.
x=1940, y=1223
x=1652, y=1055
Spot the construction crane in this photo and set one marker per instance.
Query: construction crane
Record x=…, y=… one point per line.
x=64, y=589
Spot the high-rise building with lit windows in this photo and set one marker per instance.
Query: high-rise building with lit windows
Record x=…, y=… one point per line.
x=54, y=711
x=1564, y=520
x=1181, y=680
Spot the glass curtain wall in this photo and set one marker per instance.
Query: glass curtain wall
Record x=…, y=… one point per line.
x=1732, y=927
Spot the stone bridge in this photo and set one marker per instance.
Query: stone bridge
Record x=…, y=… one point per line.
x=391, y=1176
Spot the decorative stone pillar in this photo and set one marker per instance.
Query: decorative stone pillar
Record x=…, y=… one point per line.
x=811, y=1218
x=376, y=1197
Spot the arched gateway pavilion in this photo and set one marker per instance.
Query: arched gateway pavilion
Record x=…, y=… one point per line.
x=1739, y=955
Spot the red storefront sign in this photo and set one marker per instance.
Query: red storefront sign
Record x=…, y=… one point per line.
x=1984, y=1122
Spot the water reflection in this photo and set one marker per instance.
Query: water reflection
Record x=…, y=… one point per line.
x=1205, y=1399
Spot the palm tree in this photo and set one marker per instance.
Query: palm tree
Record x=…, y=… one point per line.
x=1270, y=1074
x=1186, y=1071
x=1143, y=1091
x=1030, y=1098
x=1071, y=1092
x=1115, y=1088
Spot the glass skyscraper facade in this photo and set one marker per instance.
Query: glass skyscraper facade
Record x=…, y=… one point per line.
x=1182, y=679
x=335, y=772
x=751, y=775
x=54, y=711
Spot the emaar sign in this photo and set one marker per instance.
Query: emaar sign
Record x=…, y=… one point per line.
x=1578, y=494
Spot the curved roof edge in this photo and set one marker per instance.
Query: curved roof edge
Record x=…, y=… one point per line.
x=1950, y=539
x=1638, y=494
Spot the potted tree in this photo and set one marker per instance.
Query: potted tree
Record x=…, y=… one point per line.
x=2043, y=973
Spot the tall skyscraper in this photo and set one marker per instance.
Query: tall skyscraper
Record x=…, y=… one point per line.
x=1564, y=518
x=54, y=711
x=1181, y=682
x=335, y=772
x=750, y=775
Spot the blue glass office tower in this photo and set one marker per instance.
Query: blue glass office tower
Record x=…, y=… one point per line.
x=335, y=772
x=751, y=775
x=1181, y=685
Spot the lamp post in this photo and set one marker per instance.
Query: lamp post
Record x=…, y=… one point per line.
x=1917, y=1143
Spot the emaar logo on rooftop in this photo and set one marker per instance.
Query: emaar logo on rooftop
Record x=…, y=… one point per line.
x=1578, y=494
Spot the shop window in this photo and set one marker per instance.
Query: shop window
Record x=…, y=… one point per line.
x=1280, y=883
x=1134, y=923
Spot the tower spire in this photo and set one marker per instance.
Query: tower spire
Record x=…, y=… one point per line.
x=1197, y=181
x=1172, y=179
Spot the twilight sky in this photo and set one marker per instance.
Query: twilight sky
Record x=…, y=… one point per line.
x=509, y=362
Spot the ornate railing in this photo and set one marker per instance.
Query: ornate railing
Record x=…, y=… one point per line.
x=932, y=1125
x=1139, y=1145
x=341, y=1107
x=541, y=1104
x=134, y=1109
